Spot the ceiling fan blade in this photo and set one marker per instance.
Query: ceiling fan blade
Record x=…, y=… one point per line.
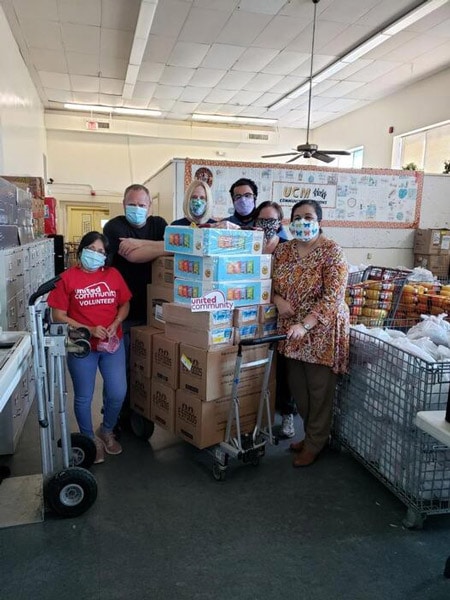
x=273, y=155
x=321, y=156
x=340, y=152
x=299, y=155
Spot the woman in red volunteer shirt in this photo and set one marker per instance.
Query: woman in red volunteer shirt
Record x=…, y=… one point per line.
x=95, y=296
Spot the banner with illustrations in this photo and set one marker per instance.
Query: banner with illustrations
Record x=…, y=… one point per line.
x=349, y=197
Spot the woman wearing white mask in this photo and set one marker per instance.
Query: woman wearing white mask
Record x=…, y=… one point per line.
x=197, y=205
x=95, y=296
x=309, y=280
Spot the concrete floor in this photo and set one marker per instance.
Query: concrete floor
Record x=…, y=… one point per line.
x=162, y=528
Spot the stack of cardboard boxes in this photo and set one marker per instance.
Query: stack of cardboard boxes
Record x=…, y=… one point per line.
x=432, y=251
x=193, y=361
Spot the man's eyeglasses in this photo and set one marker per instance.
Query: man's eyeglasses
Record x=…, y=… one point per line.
x=245, y=196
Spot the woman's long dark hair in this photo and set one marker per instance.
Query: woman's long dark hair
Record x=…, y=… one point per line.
x=89, y=238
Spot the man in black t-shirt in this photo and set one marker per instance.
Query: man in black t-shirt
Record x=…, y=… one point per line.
x=135, y=240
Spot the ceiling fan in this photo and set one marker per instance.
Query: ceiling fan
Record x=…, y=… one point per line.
x=310, y=150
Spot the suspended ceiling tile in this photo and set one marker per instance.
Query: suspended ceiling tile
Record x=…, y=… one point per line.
x=255, y=59
x=85, y=98
x=194, y=94
x=279, y=32
x=59, y=95
x=82, y=83
x=354, y=67
x=345, y=41
x=176, y=76
x=435, y=60
x=208, y=108
x=389, y=45
x=409, y=50
x=186, y=54
x=287, y=84
x=321, y=102
x=304, y=10
x=320, y=62
x=116, y=43
x=436, y=18
x=441, y=29
x=179, y=116
x=347, y=11
x=267, y=99
x=226, y=5
x=159, y=48
x=110, y=99
x=326, y=31
x=263, y=82
x=385, y=12
x=206, y=77
x=81, y=38
x=285, y=62
x=48, y=60
x=184, y=108
x=151, y=71
x=30, y=9
x=203, y=25
x=144, y=90
x=235, y=80
x=138, y=103
x=340, y=104
x=111, y=86
x=54, y=80
x=376, y=69
x=117, y=14
x=222, y=56
x=167, y=92
x=170, y=16
x=242, y=28
x=163, y=104
x=81, y=12
x=245, y=98
x=219, y=96
x=42, y=34
x=83, y=64
x=255, y=111
x=271, y=7
x=114, y=68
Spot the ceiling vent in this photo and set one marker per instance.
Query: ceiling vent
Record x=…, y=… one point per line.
x=260, y=137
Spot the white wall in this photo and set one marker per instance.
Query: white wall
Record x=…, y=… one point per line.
x=418, y=105
x=22, y=130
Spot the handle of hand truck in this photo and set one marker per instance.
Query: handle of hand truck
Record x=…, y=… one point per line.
x=43, y=289
x=264, y=340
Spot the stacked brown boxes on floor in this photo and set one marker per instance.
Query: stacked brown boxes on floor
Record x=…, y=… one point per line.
x=195, y=358
x=432, y=251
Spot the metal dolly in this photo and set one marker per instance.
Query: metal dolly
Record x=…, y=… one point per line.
x=248, y=447
x=69, y=488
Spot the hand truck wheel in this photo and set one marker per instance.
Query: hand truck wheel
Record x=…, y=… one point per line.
x=219, y=471
x=140, y=426
x=71, y=492
x=83, y=450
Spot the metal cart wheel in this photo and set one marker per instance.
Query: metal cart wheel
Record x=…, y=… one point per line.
x=71, y=492
x=140, y=426
x=83, y=450
x=414, y=519
x=219, y=471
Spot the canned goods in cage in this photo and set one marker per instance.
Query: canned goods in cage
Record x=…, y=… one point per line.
x=356, y=291
x=374, y=312
x=356, y=310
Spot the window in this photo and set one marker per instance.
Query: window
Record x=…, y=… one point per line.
x=354, y=161
x=427, y=148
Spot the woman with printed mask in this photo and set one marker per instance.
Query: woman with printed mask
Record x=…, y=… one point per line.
x=95, y=296
x=269, y=217
x=197, y=205
x=309, y=280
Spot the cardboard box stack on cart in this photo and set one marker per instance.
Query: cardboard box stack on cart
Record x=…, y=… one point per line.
x=193, y=361
x=432, y=251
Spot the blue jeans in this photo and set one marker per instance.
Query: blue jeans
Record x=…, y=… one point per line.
x=83, y=372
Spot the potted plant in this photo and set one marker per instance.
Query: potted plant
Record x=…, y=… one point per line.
x=446, y=166
x=410, y=167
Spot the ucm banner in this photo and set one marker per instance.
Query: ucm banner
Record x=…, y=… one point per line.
x=287, y=194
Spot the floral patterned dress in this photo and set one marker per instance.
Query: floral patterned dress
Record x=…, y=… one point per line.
x=314, y=284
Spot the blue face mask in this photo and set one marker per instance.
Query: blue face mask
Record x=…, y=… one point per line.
x=135, y=215
x=197, y=206
x=91, y=260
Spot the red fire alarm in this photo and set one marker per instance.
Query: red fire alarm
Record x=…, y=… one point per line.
x=391, y=129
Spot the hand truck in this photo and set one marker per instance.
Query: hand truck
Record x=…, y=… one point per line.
x=69, y=488
x=247, y=447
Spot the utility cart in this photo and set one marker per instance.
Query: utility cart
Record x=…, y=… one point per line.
x=247, y=447
x=69, y=488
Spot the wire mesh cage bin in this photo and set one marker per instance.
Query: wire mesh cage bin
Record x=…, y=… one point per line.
x=374, y=419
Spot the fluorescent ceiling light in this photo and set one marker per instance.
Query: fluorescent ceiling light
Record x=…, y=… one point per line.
x=329, y=71
x=413, y=16
x=280, y=103
x=301, y=90
x=145, y=19
x=231, y=119
x=113, y=110
x=132, y=74
x=365, y=47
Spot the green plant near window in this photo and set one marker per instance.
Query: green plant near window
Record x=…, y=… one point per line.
x=410, y=167
x=446, y=166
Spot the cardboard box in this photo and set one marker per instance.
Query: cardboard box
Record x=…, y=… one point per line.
x=204, y=424
x=438, y=264
x=267, y=328
x=162, y=271
x=140, y=394
x=245, y=315
x=223, y=268
x=209, y=374
x=212, y=241
x=267, y=312
x=157, y=295
x=141, y=349
x=163, y=406
x=245, y=332
x=182, y=315
x=242, y=293
x=200, y=338
x=165, y=364
x=432, y=241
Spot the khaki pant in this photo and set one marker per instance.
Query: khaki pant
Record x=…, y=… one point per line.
x=313, y=388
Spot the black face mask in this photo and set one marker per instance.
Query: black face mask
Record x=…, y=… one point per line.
x=270, y=227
